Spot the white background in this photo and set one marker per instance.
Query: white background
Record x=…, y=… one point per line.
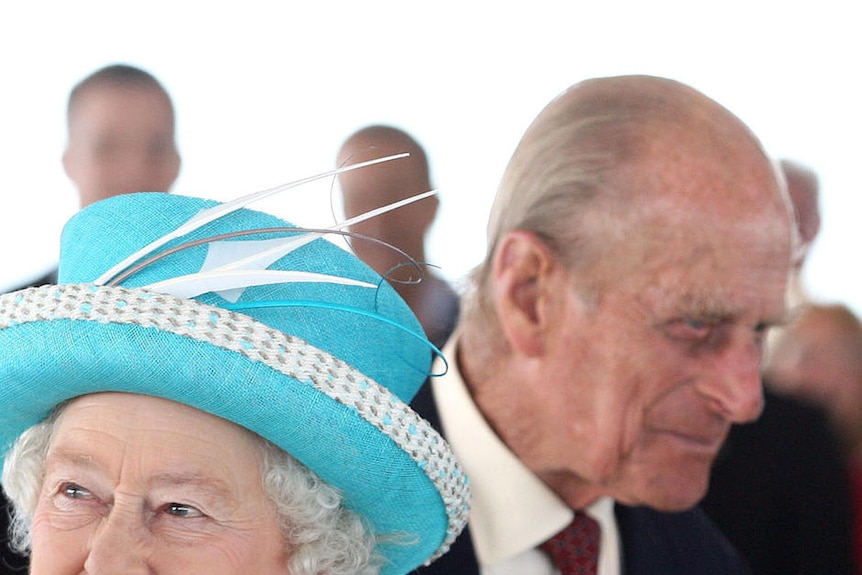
x=266, y=91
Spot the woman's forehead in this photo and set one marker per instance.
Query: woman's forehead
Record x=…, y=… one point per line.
x=165, y=433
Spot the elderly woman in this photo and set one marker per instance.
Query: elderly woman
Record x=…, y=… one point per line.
x=214, y=391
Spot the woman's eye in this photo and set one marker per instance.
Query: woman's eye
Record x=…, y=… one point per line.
x=74, y=491
x=181, y=510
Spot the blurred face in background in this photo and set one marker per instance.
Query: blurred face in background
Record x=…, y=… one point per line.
x=121, y=140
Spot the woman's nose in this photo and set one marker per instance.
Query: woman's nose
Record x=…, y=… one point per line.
x=120, y=544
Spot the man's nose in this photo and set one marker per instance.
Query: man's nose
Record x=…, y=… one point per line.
x=735, y=388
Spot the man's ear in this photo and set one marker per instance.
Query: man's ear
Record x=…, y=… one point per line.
x=67, y=163
x=523, y=296
x=429, y=207
x=178, y=164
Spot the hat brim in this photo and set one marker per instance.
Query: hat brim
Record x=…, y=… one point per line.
x=392, y=467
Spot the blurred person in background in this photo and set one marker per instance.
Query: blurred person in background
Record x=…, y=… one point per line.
x=818, y=359
x=430, y=297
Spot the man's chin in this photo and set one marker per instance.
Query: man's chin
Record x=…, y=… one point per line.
x=672, y=495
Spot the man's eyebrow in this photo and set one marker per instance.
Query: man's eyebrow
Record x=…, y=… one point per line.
x=715, y=309
x=700, y=305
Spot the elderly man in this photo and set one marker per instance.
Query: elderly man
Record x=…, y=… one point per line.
x=639, y=247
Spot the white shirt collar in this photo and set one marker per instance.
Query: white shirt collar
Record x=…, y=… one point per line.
x=513, y=511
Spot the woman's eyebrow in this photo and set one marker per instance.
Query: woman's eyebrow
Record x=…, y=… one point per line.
x=213, y=486
x=207, y=485
x=73, y=457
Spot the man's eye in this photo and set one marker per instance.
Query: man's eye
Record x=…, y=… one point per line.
x=760, y=332
x=689, y=329
x=74, y=491
x=762, y=328
x=181, y=510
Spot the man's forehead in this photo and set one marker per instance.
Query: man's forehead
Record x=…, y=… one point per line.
x=715, y=263
x=118, y=129
x=120, y=101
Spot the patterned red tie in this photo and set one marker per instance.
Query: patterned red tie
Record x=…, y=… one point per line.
x=575, y=549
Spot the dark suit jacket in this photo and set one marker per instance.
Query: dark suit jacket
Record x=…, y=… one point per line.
x=653, y=543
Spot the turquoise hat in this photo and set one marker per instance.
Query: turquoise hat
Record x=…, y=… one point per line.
x=249, y=318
